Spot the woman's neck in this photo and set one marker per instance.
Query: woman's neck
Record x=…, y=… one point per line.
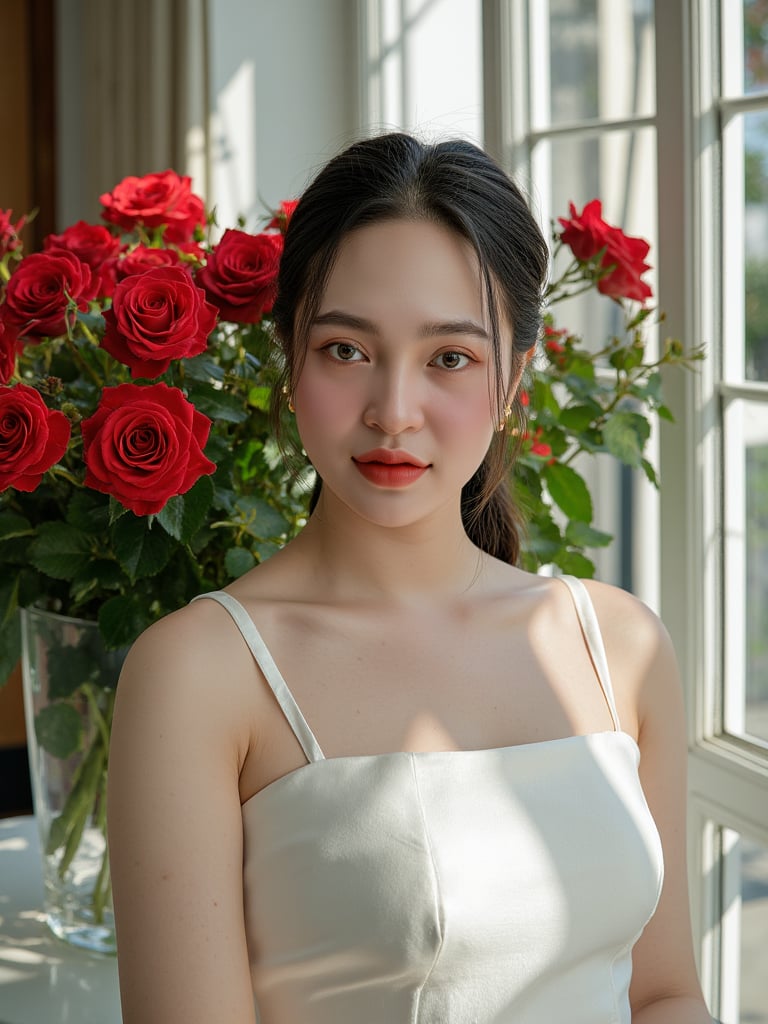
x=356, y=560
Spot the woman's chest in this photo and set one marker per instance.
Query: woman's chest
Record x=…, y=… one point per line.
x=423, y=873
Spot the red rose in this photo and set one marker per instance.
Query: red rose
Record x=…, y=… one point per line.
x=38, y=293
x=240, y=276
x=92, y=244
x=155, y=200
x=155, y=317
x=32, y=437
x=283, y=215
x=538, y=447
x=552, y=339
x=144, y=444
x=144, y=258
x=9, y=233
x=625, y=255
x=586, y=233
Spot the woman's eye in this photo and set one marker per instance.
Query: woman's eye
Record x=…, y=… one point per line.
x=451, y=360
x=344, y=351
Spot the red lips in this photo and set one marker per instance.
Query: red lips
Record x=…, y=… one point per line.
x=386, y=467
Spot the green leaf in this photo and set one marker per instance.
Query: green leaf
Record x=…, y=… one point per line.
x=259, y=518
x=116, y=510
x=69, y=669
x=582, y=535
x=653, y=386
x=12, y=525
x=260, y=397
x=220, y=405
x=141, y=550
x=99, y=574
x=10, y=647
x=581, y=366
x=184, y=514
x=202, y=368
x=665, y=413
x=568, y=490
x=266, y=548
x=9, y=599
x=238, y=561
x=583, y=387
x=650, y=472
x=542, y=397
x=625, y=434
x=575, y=564
x=626, y=357
x=60, y=550
x=58, y=728
x=88, y=511
x=121, y=619
x=93, y=321
x=543, y=536
x=578, y=417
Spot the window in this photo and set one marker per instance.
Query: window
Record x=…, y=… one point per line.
x=661, y=110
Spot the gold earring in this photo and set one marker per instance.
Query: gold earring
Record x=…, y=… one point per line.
x=507, y=414
x=287, y=392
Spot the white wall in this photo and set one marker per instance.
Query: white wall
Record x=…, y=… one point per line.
x=293, y=81
x=284, y=88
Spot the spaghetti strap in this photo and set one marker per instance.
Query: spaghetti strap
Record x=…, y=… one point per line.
x=271, y=672
x=591, y=629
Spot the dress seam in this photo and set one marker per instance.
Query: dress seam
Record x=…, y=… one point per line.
x=438, y=895
x=623, y=951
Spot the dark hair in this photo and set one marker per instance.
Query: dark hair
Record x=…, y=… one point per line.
x=454, y=183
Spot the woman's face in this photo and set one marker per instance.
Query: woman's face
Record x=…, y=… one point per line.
x=394, y=400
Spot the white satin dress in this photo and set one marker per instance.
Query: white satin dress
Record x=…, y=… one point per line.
x=503, y=886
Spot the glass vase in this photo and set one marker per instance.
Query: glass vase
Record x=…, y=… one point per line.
x=69, y=693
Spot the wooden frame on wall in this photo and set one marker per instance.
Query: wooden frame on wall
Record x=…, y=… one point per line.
x=27, y=182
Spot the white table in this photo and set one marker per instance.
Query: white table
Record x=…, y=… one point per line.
x=42, y=979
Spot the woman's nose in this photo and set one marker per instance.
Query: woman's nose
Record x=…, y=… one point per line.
x=395, y=403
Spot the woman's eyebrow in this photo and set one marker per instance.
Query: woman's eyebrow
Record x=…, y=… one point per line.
x=442, y=328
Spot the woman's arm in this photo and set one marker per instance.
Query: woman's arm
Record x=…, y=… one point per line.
x=665, y=987
x=175, y=832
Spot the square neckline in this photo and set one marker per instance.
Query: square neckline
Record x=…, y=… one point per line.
x=313, y=752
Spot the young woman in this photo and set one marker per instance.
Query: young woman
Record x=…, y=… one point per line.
x=460, y=797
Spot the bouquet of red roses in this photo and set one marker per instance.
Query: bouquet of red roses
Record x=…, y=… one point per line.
x=137, y=466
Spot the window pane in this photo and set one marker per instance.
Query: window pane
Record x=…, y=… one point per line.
x=744, y=904
x=746, y=589
x=602, y=59
x=756, y=457
x=618, y=168
x=756, y=244
x=755, y=45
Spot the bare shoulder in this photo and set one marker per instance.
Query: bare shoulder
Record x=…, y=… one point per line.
x=190, y=639
x=193, y=667
x=640, y=653
x=628, y=623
